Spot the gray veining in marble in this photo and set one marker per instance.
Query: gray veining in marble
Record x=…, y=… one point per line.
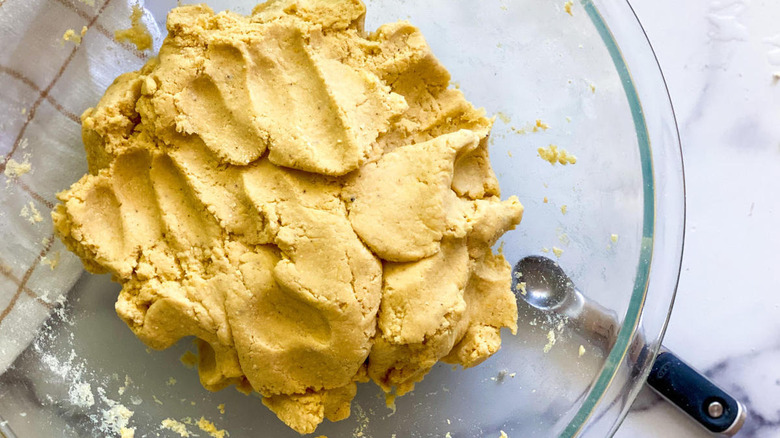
x=721, y=60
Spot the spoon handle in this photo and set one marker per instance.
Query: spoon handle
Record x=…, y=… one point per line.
x=5, y=429
x=695, y=394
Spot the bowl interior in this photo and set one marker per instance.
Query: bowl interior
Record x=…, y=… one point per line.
x=522, y=61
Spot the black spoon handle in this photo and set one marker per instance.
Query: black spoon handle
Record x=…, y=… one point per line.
x=696, y=395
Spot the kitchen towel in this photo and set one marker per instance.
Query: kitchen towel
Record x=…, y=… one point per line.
x=46, y=82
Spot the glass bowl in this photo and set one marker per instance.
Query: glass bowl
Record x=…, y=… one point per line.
x=614, y=220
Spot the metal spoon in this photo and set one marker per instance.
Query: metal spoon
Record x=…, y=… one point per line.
x=549, y=289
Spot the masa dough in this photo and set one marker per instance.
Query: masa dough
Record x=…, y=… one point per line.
x=311, y=201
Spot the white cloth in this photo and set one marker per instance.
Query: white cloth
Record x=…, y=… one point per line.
x=45, y=84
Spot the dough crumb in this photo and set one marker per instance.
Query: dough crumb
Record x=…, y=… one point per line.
x=550, y=341
x=116, y=417
x=171, y=381
x=121, y=390
x=362, y=423
x=504, y=117
x=564, y=209
x=53, y=261
x=70, y=35
x=540, y=125
x=593, y=88
x=503, y=435
x=15, y=169
x=545, y=200
x=209, y=427
x=557, y=251
x=90, y=3
x=545, y=249
x=614, y=238
x=137, y=33
x=175, y=426
x=567, y=7
x=221, y=408
x=581, y=351
x=127, y=432
x=537, y=126
x=31, y=213
x=521, y=287
x=189, y=359
x=553, y=155
x=390, y=403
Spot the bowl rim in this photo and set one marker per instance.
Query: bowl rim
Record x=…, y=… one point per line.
x=652, y=252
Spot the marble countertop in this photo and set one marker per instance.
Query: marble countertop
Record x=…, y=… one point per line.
x=721, y=59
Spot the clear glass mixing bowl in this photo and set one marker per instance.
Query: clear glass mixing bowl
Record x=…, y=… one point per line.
x=591, y=76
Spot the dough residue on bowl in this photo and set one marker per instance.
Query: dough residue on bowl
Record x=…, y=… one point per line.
x=267, y=181
x=137, y=34
x=15, y=169
x=72, y=36
x=555, y=155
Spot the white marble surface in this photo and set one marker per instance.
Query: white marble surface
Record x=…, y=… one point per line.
x=720, y=58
